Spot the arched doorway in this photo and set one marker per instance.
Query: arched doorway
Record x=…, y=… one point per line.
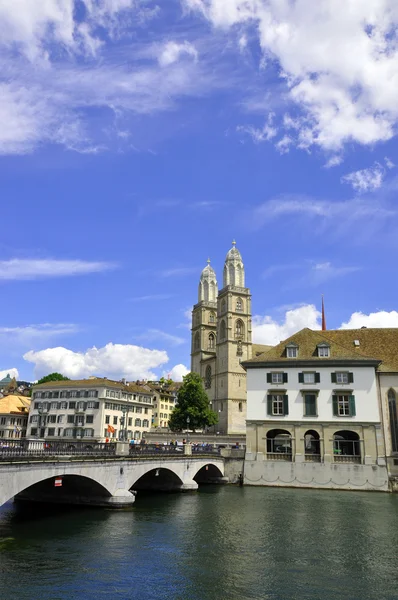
x=346, y=447
x=279, y=445
x=312, y=446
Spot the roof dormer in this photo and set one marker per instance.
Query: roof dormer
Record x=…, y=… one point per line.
x=323, y=350
x=292, y=350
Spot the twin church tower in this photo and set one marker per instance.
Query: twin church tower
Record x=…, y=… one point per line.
x=222, y=339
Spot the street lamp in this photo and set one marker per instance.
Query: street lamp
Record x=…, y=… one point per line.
x=123, y=423
x=188, y=420
x=42, y=419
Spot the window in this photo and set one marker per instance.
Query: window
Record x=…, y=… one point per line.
x=130, y=421
x=33, y=431
x=196, y=344
x=137, y=423
x=240, y=405
x=277, y=404
x=239, y=329
x=60, y=419
x=55, y=394
x=63, y=405
x=276, y=378
x=342, y=377
x=310, y=405
x=33, y=419
x=107, y=419
x=51, y=431
x=212, y=318
x=93, y=394
x=292, y=352
x=392, y=407
x=323, y=351
x=115, y=420
x=89, y=432
x=2, y=421
x=72, y=404
x=346, y=447
x=145, y=423
x=108, y=406
x=223, y=331
x=71, y=419
x=68, y=432
x=212, y=341
x=90, y=419
x=344, y=405
x=309, y=377
x=146, y=410
x=239, y=305
x=208, y=377
x=52, y=419
x=139, y=409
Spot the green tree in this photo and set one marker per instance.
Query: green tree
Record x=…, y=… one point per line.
x=53, y=377
x=194, y=404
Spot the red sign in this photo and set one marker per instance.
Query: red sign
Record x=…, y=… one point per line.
x=58, y=482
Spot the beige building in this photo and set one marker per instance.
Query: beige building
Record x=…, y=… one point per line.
x=222, y=339
x=90, y=409
x=165, y=399
x=13, y=416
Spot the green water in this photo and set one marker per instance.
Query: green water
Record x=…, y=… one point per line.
x=219, y=543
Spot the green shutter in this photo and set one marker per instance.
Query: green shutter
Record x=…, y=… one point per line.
x=350, y=377
x=352, y=406
x=333, y=377
x=269, y=377
x=269, y=404
x=310, y=405
x=335, y=405
x=284, y=377
x=317, y=378
x=285, y=404
x=301, y=377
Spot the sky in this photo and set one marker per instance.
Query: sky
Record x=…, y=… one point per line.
x=139, y=137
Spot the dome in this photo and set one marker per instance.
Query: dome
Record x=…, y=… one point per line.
x=234, y=272
x=208, y=289
x=233, y=254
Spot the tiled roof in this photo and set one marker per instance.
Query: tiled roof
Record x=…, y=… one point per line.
x=342, y=346
x=382, y=343
x=259, y=349
x=94, y=382
x=14, y=404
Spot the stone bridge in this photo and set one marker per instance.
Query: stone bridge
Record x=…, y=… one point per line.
x=109, y=481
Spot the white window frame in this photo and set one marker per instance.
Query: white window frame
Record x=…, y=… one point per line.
x=323, y=351
x=277, y=405
x=342, y=377
x=291, y=352
x=277, y=378
x=309, y=377
x=343, y=405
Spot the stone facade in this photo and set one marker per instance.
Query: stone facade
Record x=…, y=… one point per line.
x=222, y=339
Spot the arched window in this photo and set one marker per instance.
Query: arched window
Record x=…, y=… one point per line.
x=239, y=329
x=392, y=407
x=279, y=441
x=212, y=341
x=212, y=318
x=137, y=423
x=239, y=305
x=223, y=332
x=196, y=344
x=208, y=377
x=346, y=447
x=238, y=276
x=312, y=449
x=240, y=405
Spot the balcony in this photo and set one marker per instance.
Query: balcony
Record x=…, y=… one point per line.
x=312, y=458
x=279, y=456
x=347, y=459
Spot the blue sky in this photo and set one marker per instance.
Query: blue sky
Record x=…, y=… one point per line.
x=138, y=138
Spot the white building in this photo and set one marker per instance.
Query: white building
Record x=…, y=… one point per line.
x=94, y=409
x=314, y=414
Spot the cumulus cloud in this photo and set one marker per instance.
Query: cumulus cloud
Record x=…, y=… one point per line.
x=171, y=52
x=113, y=361
x=17, y=268
x=177, y=372
x=365, y=180
x=381, y=318
x=13, y=372
x=267, y=330
x=338, y=61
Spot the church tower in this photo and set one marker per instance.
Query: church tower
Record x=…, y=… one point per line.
x=234, y=345
x=204, y=330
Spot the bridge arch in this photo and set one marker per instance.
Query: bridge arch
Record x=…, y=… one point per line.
x=74, y=488
x=158, y=478
x=208, y=473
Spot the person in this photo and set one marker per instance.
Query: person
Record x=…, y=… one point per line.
x=106, y=440
x=184, y=441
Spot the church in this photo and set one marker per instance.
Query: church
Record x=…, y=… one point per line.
x=222, y=340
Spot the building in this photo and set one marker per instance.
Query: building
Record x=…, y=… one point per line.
x=13, y=416
x=221, y=341
x=6, y=385
x=94, y=409
x=165, y=399
x=322, y=410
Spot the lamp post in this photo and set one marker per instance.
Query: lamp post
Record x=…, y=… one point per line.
x=123, y=423
x=188, y=420
x=42, y=419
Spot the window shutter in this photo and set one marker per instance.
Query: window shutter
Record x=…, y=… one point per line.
x=301, y=377
x=352, y=406
x=317, y=378
x=335, y=404
x=284, y=377
x=333, y=377
x=285, y=403
x=350, y=377
x=310, y=405
x=97, y=405
x=269, y=377
x=269, y=404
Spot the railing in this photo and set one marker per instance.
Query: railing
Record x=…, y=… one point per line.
x=347, y=459
x=312, y=457
x=42, y=449
x=168, y=449
x=279, y=456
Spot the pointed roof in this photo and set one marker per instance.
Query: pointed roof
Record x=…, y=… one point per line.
x=233, y=254
x=14, y=404
x=208, y=272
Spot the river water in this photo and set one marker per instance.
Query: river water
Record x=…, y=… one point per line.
x=221, y=543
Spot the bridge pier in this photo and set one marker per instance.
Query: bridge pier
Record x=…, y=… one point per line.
x=188, y=486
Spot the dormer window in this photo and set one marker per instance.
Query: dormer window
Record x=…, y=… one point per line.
x=292, y=350
x=323, y=350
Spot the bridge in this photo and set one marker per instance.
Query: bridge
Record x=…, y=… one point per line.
x=101, y=474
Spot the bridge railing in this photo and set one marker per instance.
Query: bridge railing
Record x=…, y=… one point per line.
x=169, y=449
x=42, y=449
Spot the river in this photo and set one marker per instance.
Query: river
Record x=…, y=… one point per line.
x=221, y=543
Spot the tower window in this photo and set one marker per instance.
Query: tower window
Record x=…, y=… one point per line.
x=212, y=318
x=196, y=344
x=239, y=305
x=208, y=377
x=239, y=329
x=240, y=406
x=223, y=333
x=212, y=341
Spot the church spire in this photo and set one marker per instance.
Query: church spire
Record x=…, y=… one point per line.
x=234, y=271
x=323, y=316
x=208, y=289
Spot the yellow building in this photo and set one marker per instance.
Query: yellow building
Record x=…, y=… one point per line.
x=14, y=412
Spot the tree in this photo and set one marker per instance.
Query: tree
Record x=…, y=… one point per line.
x=192, y=402
x=53, y=377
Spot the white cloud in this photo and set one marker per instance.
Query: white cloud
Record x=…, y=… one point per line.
x=113, y=361
x=365, y=180
x=178, y=271
x=172, y=52
x=266, y=330
x=333, y=161
x=17, y=268
x=381, y=318
x=267, y=132
x=389, y=163
x=30, y=334
x=325, y=271
x=151, y=297
x=13, y=372
x=156, y=335
x=338, y=59
x=177, y=372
